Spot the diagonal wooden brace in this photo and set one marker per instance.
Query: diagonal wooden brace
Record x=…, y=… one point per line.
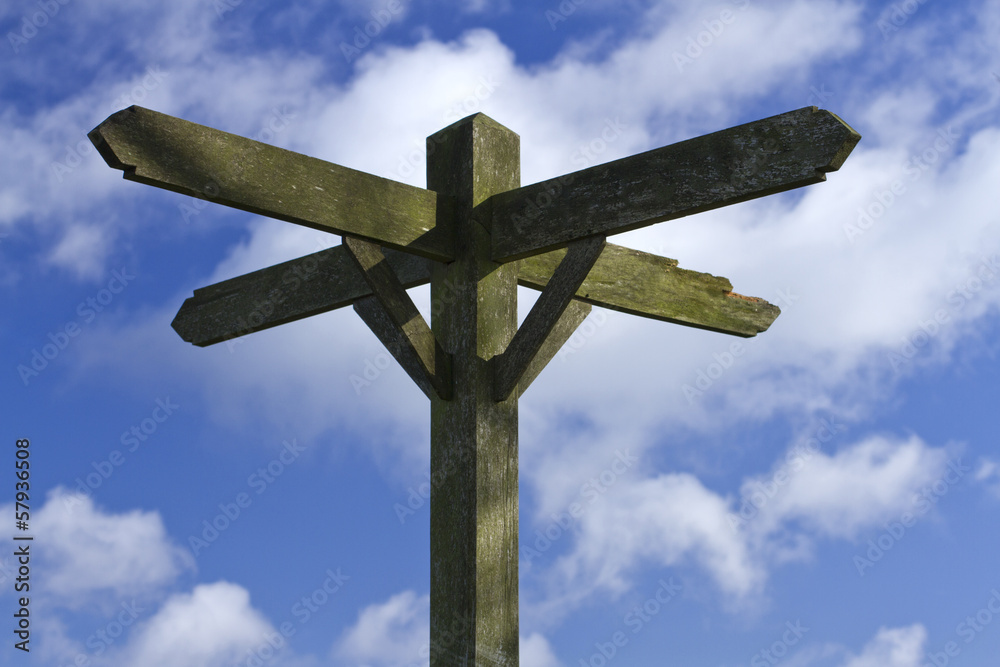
x=510, y=367
x=574, y=315
x=391, y=315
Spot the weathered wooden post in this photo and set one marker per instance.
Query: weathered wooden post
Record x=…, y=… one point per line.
x=474, y=508
x=474, y=235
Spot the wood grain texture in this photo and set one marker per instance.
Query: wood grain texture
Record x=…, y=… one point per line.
x=744, y=162
x=393, y=317
x=474, y=501
x=192, y=159
x=569, y=275
x=290, y=291
x=635, y=282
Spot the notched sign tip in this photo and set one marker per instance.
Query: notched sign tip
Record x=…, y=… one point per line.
x=851, y=137
x=103, y=136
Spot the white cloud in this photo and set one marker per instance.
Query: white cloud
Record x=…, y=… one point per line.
x=56, y=182
x=215, y=624
x=858, y=487
x=892, y=647
x=480, y=6
x=670, y=520
x=536, y=652
x=120, y=566
x=393, y=633
x=83, y=250
x=988, y=474
x=673, y=520
x=80, y=540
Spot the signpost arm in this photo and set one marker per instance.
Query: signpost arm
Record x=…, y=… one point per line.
x=286, y=292
x=178, y=155
x=639, y=283
x=626, y=280
x=735, y=165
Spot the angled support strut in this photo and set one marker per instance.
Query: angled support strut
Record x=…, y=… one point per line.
x=510, y=367
x=391, y=315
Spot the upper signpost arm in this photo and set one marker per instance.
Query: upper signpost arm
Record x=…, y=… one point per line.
x=192, y=159
x=744, y=162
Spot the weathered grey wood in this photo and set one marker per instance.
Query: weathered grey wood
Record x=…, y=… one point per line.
x=509, y=367
x=574, y=315
x=635, y=282
x=393, y=317
x=192, y=159
x=744, y=162
x=626, y=280
x=286, y=292
x=474, y=504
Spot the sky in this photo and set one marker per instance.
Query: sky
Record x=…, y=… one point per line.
x=825, y=494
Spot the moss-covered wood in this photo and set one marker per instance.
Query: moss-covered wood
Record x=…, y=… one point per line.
x=286, y=292
x=474, y=504
x=192, y=159
x=622, y=279
x=744, y=162
x=393, y=317
x=636, y=282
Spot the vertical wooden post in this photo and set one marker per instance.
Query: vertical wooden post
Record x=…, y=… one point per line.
x=474, y=504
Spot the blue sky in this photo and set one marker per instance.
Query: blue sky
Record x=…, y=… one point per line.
x=824, y=495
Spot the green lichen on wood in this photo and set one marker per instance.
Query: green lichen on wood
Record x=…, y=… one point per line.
x=174, y=154
x=638, y=283
x=286, y=292
x=474, y=502
x=629, y=281
x=741, y=163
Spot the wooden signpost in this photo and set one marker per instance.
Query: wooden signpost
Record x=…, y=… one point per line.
x=474, y=234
